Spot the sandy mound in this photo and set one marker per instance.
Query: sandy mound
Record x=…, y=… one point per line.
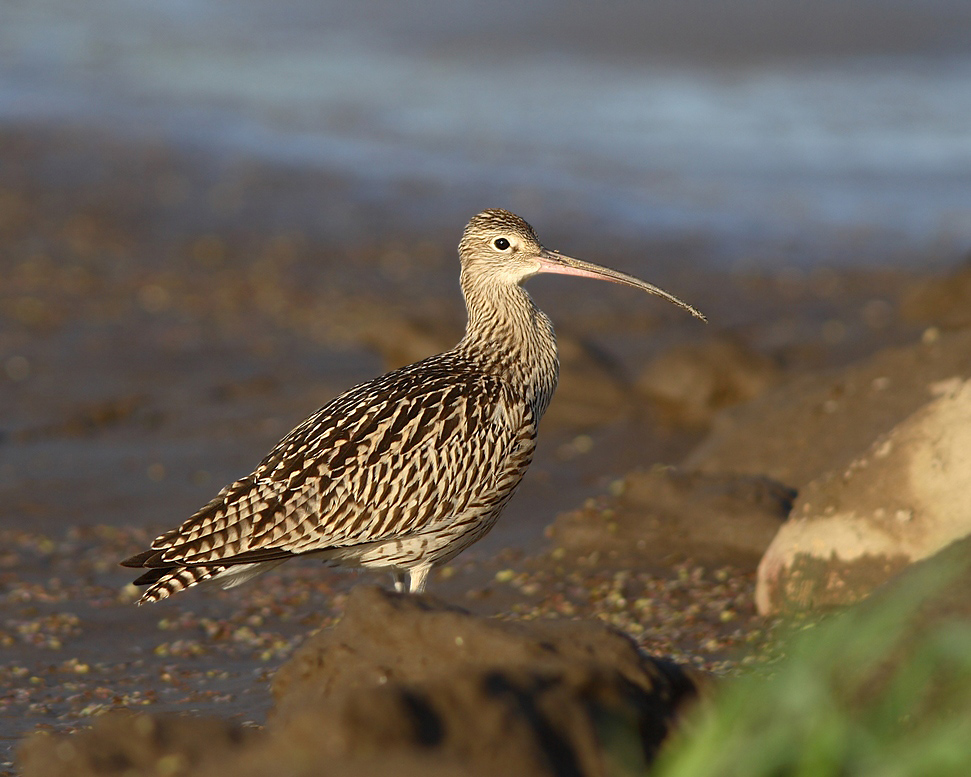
x=818, y=423
x=666, y=515
x=692, y=382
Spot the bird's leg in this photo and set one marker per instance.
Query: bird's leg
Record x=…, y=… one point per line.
x=417, y=577
x=400, y=576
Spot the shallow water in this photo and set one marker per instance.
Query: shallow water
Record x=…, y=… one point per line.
x=756, y=127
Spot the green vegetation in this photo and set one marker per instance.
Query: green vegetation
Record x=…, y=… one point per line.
x=881, y=690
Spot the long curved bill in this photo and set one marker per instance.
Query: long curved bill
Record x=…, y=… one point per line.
x=553, y=262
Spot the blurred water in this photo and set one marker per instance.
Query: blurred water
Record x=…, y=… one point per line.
x=856, y=133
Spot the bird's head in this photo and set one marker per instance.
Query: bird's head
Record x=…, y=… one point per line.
x=500, y=247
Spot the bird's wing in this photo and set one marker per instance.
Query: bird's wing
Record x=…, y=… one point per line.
x=389, y=458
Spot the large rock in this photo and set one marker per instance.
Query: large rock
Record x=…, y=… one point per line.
x=666, y=515
x=904, y=499
x=408, y=686
x=817, y=423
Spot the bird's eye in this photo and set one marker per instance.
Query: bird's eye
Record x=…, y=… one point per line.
x=501, y=243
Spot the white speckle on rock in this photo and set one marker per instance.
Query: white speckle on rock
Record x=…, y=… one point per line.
x=883, y=449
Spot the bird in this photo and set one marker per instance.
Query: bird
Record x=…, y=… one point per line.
x=406, y=470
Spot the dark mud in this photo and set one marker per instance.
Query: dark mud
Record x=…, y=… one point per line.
x=165, y=318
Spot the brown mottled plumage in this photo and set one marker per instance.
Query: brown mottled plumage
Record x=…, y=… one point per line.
x=407, y=470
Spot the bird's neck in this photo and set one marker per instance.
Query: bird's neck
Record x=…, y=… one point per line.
x=507, y=335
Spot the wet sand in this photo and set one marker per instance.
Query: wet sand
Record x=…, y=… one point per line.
x=166, y=317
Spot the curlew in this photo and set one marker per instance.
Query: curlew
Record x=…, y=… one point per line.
x=407, y=470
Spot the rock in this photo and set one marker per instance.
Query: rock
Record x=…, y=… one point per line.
x=906, y=498
x=693, y=382
x=665, y=514
x=409, y=686
x=817, y=423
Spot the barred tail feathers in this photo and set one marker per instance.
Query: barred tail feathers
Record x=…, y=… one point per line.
x=170, y=580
